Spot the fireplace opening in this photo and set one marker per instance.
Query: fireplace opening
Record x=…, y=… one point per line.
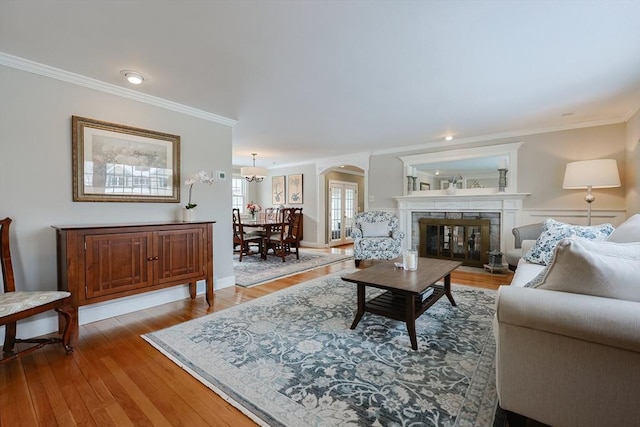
x=468, y=237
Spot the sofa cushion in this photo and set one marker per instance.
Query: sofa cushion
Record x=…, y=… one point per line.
x=627, y=232
x=553, y=231
x=605, y=269
x=375, y=229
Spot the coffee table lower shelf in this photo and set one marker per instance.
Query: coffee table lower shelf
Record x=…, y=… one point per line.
x=394, y=305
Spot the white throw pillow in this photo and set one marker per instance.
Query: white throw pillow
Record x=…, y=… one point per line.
x=375, y=229
x=553, y=231
x=627, y=232
x=605, y=269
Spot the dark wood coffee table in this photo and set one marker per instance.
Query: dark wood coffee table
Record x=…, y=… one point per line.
x=405, y=289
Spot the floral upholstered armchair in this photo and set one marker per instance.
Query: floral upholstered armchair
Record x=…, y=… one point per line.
x=376, y=236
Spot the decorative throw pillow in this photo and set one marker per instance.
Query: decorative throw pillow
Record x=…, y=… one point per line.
x=375, y=229
x=553, y=231
x=627, y=232
x=605, y=269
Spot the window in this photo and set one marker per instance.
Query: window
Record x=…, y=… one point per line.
x=239, y=193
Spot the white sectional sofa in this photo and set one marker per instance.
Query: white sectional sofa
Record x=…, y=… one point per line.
x=568, y=350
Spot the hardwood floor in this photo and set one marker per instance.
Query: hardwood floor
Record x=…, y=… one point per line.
x=114, y=378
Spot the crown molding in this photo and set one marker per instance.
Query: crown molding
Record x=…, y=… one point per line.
x=632, y=111
x=491, y=137
x=78, y=80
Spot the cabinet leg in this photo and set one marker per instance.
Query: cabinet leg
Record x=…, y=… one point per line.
x=192, y=290
x=209, y=292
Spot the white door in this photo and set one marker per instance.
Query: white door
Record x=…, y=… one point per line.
x=343, y=203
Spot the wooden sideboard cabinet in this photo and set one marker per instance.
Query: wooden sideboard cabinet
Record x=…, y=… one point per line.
x=98, y=263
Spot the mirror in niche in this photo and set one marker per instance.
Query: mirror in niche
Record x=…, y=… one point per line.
x=475, y=173
x=474, y=169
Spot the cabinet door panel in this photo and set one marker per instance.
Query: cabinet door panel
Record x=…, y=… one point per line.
x=180, y=255
x=117, y=263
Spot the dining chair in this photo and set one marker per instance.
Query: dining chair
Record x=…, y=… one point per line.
x=19, y=305
x=271, y=214
x=243, y=239
x=282, y=239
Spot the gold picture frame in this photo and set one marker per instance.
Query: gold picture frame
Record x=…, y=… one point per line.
x=117, y=163
x=278, y=193
x=294, y=189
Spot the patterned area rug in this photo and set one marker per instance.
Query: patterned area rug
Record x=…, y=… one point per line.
x=254, y=271
x=290, y=359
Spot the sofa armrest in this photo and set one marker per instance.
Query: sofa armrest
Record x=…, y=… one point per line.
x=606, y=321
x=526, y=232
x=356, y=233
x=567, y=359
x=397, y=235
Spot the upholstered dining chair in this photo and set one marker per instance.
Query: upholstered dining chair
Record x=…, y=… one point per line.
x=376, y=235
x=284, y=238
x=243, y=239
x=271, y=214
x=19, y=305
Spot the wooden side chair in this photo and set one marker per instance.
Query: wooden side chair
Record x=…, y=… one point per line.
x=286, y=237
x=18, y=305
x=242, y=239
x=271, y=214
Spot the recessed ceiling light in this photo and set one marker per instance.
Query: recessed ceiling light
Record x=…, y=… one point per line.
x=448, y=138
x=134, y=77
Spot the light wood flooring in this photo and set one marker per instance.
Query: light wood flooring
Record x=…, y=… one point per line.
x=114, y=378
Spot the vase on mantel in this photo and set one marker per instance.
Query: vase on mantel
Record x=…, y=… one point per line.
x=451, y=189
x=188, y=215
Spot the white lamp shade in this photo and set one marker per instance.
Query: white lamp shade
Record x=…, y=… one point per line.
x=601, y=173
x=251, y=171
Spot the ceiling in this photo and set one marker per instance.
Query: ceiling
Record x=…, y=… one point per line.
x=313, y=79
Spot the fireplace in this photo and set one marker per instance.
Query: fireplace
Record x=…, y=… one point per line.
x=503, y=210
x=465, y=240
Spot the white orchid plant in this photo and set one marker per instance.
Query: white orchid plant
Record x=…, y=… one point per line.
x=196, y=177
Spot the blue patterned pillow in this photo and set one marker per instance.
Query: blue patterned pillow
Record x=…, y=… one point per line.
x=553, y=231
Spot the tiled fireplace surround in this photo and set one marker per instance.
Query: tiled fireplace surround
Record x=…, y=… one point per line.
x=503, y=209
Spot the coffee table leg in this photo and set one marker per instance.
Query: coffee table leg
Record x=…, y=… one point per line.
x=447, y=289
x=410, y=319
x=360, y=306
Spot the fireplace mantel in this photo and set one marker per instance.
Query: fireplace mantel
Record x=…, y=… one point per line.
x=509, y=205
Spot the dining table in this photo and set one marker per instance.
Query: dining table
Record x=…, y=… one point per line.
x=264, y=227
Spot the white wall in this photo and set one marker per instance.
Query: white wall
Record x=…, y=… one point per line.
x=309, y=197
x=36, y=186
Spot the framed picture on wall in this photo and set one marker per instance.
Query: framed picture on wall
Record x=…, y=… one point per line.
x=294, y=189
x=278, y=190
x=117, y=163
x=425, y=186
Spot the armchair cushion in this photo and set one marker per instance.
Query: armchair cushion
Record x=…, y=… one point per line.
x=375, y=229
x=553, y=231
